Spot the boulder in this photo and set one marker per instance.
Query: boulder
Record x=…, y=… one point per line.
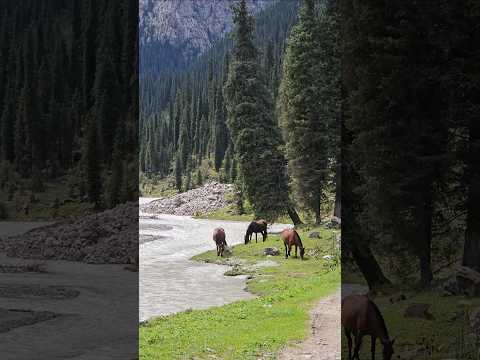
x=333, y=223
x=451, y=287
x=418, y=311
x=314, y=235
x=468, y=281
x=273, y=251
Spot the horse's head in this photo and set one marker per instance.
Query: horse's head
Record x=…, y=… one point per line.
x=388, y=349
x=246, y=238
x=302, y=252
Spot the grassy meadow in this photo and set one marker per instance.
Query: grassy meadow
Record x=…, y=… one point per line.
x=257, y=328
x=53, y=202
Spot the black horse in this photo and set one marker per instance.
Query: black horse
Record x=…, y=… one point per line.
x=257, y=226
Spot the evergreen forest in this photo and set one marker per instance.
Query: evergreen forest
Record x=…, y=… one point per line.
x=68, y=104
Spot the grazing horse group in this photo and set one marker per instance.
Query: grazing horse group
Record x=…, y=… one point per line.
x=360, y=317
x=289, y=236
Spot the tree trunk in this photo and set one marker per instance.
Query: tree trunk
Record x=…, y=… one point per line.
x=294, y=216
x=338, y=192
x=471, y=252
x=318, y=217
x=425, y=240
x=366, y=262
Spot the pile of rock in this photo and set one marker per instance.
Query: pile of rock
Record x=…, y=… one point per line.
x=107, y=237
x=203, y=200
x=333, y=223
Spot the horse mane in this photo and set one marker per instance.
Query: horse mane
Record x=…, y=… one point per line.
x=298, y=237
x=380, y=317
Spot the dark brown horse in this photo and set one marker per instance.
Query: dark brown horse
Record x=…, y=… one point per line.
x=291, y=238
x=360, y=317
x=219, y=238
x=257, y=226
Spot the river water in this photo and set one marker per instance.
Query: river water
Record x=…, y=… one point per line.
x=169, y=281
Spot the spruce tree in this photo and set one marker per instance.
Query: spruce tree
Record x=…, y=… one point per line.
x=178, y=173
x=310, y=103
x=252, y=125
x=91, y=165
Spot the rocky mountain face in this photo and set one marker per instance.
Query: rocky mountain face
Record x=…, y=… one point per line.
x=185, y=28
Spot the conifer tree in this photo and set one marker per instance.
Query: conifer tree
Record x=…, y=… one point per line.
x=309, y=100
x=251, y=123
x=91, y=165
x=178, y=173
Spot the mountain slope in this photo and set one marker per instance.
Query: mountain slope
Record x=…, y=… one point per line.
x=185, y=112
x=174, y=33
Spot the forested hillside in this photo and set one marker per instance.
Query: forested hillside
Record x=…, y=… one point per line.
x=173, y=34
x=185, y=114
x=293, y=73
x=68, y=102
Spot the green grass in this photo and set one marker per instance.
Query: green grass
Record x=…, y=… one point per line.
x=255, y=328
x=157, y=187
x=43, y=207
x=443, y=337
x=447, y=336
x=230, y=213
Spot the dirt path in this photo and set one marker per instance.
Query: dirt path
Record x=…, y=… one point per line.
x=324, y=341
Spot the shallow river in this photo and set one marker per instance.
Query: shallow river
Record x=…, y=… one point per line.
x=169, y=281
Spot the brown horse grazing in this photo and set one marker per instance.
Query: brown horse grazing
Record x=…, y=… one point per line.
x=291, y=238
x=219, y=238
x=360, y=317
x=257, y=226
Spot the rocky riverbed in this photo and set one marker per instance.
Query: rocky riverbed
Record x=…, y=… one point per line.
x=208, y=198
x=83, y=311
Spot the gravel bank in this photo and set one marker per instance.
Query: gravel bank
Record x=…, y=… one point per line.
x=108, y=237
x=203, y=200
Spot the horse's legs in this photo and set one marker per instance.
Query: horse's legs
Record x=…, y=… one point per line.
x=358, y=344
x=374, y=339
x=348, y=334
x=286, y=251
x=289, y=249
x=218, y=250
x=256, y=238
x=296, y=251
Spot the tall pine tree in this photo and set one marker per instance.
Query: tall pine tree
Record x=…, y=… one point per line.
x=254, y=131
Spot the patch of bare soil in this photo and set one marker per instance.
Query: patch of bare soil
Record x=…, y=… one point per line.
x=324, y=341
